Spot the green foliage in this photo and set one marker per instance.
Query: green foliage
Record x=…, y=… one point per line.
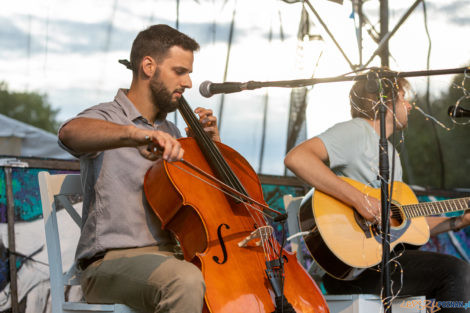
x=423, y=148
x=28, y=107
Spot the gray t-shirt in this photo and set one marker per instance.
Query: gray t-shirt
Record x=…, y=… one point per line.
x=116, y=213
x=353, y=151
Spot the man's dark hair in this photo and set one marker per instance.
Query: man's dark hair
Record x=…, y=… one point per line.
x=155, y=41
x=364, y=101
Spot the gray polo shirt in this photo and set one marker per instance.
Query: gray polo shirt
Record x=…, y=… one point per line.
x=116, y=213
x=353, y=151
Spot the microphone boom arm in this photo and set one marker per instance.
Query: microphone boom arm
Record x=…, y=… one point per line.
x=250, y=85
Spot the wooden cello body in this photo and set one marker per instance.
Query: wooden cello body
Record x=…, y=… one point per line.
x=209, y=225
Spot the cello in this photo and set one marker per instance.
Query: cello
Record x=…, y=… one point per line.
x=213, y=204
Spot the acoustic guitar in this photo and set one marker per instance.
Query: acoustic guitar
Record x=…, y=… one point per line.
x=343, y=243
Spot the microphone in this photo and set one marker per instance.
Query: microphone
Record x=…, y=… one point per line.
x=458, y=111
x=208, y=88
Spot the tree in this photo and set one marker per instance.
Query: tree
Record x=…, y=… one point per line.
x=29, y=107
x=422, y=146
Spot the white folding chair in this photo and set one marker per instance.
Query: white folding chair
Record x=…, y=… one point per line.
x=55, y=188
x=291, y=205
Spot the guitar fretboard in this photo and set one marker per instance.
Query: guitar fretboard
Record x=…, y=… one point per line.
x=437, y=207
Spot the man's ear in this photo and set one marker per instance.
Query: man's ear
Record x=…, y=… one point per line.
x=149, y=66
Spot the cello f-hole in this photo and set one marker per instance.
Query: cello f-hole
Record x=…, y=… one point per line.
x=222, y=244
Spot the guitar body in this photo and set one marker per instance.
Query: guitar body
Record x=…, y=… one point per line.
x=342, y=242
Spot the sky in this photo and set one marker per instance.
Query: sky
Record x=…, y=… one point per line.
x=68, y=50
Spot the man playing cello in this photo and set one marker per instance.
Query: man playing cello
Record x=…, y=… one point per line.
x=125, y=255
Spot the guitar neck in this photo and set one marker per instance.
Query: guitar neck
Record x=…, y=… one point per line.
x=436, y=207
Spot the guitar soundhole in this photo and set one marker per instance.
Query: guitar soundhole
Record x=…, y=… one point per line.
x=397, y=216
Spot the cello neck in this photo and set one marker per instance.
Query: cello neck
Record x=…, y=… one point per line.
x=209, y=148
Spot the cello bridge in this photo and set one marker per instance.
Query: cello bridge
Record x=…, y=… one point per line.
x=263, y=233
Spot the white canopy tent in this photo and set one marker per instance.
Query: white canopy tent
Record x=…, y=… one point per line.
x=20, y=139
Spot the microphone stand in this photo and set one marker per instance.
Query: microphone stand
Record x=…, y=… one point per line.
x=384, y=168
x=251, y=85
x=384, y=175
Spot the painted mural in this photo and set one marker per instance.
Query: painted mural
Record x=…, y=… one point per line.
x=31, y=253
x=454, y=243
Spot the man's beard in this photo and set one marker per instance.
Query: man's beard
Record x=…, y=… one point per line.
x=162, y=97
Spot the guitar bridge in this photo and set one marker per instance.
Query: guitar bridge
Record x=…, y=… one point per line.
x=364, y=224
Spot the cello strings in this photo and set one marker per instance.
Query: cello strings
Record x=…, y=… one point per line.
x=267, y=244
x=226, y=172
x=227, y=187
x=257, y=219
x=218, y=188
x=207, y=142
x=220, y=164
x=263, y=243
x=231, y=179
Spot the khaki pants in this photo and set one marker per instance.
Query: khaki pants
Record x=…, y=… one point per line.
x=147, y=279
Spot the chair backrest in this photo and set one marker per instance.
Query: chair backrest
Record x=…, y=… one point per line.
x=291, y=205
x=55, y=189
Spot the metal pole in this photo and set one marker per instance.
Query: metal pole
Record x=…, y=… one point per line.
x=263, y=136
x=361, y=22
x=385, y=37
x=384, y=170
x=352, y=66
x=384, y=52
x=11, y=240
